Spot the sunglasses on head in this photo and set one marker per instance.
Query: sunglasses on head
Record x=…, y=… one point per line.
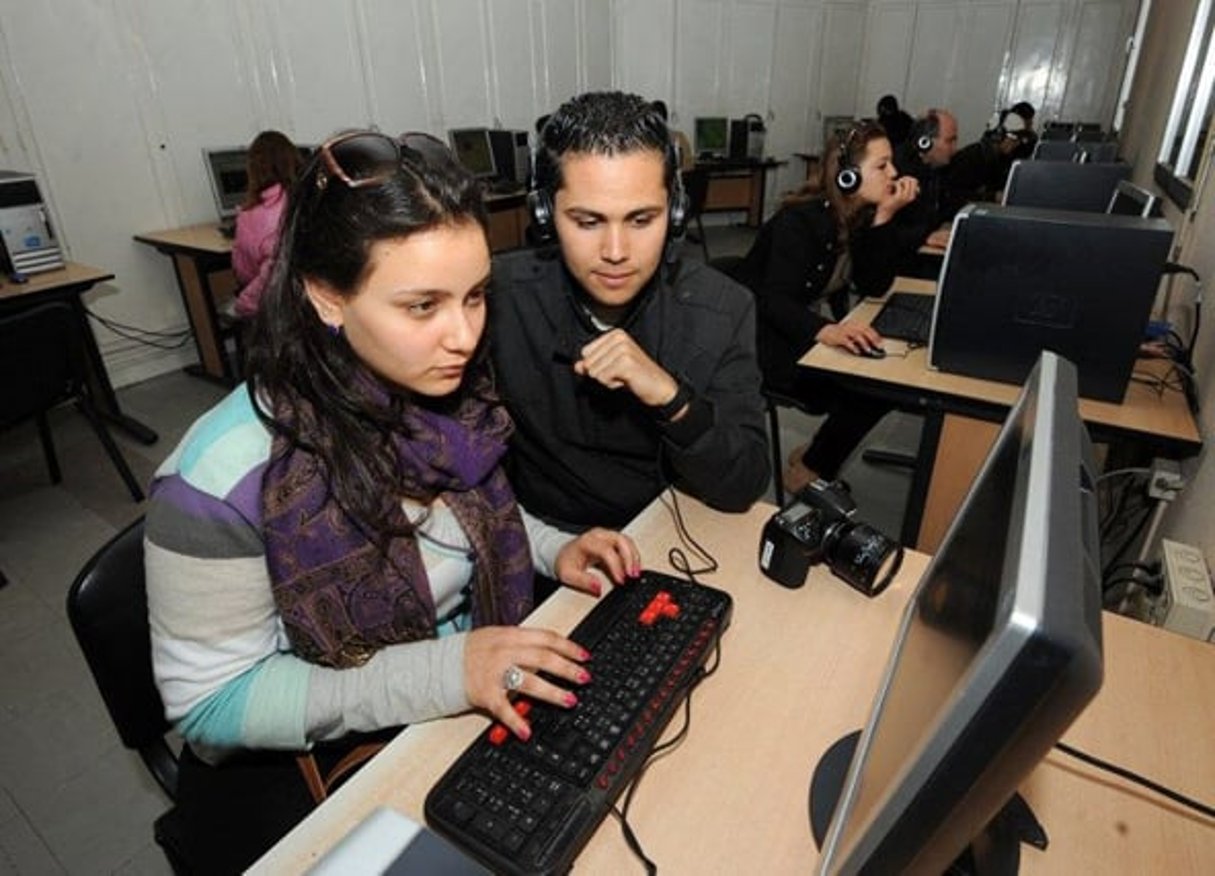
x=366, y=158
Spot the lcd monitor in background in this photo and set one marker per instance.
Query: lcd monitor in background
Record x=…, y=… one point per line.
x=474, y=150
x=1017, y=281
x=999, y=650
x=1063, y=185
x=1056, y=150
x=711, y=136
x=229, y=177
x=1131, y=200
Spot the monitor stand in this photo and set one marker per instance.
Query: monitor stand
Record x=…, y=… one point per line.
x=996, y=851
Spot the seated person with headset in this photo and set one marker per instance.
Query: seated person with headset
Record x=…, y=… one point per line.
x=814, y=247
x=979, y=171
x=625, y=369
x=925, y=155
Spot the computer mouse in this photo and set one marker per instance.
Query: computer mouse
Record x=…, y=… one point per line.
x=873, y=353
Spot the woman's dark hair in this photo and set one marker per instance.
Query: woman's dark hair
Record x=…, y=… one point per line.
x=602, y=123
x=272, y=158
x=312, y=379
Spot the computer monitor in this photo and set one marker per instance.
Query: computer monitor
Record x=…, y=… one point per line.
x=1131, y=200
x=1104, y=151
x=229, y=176
x=711, y=136
x=1017, y=281
x=1088, y=132
x=1062, y=185
x=1056, y=150
x=474, y=150
x=1056, y=130
x=999, y=650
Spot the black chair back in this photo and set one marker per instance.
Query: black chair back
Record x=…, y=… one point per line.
x=39, y=349
x=42, y=365
x=108, y=609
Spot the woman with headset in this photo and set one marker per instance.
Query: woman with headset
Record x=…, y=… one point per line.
x=820, y=246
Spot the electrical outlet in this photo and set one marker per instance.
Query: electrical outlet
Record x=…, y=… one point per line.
x=1188, y=604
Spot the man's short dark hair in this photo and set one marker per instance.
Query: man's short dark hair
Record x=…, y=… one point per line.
x=601, y=123
x=1024, y=109
x=888, y=105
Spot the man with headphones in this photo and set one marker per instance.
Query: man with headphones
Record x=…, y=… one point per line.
x=925, y=155
x=625, y=369
x=979, y=171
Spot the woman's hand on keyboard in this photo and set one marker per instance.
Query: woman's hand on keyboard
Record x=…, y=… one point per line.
x=612, y=553
x=489, y=652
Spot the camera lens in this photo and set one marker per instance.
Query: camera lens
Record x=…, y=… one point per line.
x=862, y=556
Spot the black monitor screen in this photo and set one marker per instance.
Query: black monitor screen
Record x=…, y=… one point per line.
x=1131, y=200
x=1062, y=185
x=712, y=135
x=229, y=177
x=474, y=151
x=998, y=652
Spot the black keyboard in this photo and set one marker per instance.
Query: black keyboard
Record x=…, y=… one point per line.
x=530, y=807
x=906, y=317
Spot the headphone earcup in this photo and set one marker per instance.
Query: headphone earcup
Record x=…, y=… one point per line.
x=924, y=143
x=848, y=180
x=540, y=207
x=677, y=222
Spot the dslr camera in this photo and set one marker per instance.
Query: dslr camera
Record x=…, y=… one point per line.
x=819, y=524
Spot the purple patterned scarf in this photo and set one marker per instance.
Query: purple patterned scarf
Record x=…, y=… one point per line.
x=341, y=596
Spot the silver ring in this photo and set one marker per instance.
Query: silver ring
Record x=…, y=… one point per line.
x=512, y=678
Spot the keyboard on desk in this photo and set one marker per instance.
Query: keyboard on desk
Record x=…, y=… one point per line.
x=906, y=316
x=530, y=807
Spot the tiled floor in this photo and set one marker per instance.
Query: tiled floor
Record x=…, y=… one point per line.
x=72, y=799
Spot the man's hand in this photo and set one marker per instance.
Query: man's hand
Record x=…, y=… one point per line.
x=614, y=360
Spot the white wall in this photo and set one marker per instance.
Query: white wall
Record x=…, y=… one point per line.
x=110, y=102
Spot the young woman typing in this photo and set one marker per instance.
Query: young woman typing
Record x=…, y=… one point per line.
x=334, y=548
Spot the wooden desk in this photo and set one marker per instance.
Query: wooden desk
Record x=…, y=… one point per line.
x=798, y=671
x=202, y=261
x=68, y=284
x=963, y=415
x=738, y=185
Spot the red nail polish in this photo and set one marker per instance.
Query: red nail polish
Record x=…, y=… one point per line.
x=525, y=733
x=586, y=655
x=583, y=676
x=570, y=700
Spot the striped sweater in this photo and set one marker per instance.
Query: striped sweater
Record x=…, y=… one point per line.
x=220, y=655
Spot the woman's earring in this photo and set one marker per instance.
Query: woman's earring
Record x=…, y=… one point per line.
x=334, y=330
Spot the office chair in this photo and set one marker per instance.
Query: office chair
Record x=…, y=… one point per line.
x=41, y=366
x=696, y=185
x=107, y=606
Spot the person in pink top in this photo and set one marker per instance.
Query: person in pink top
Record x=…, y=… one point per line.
x=273, y=165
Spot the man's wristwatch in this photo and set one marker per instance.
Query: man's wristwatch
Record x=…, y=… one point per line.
x=665, y=413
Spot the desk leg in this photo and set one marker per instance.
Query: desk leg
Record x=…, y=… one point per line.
x=99, y=382
x=196, y=295
x=755, y=210
x=962, y=446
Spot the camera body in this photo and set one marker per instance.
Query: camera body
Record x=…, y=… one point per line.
x=819, y=524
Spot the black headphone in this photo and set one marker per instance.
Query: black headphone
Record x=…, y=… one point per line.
x=848, y=176
x=544, y=175
x=925, y=130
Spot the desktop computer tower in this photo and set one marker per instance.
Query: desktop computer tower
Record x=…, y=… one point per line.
x=512, y=155
x=747, y=138
x=28, y=238
x=1019, y=280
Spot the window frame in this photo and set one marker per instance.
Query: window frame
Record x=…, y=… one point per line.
x=1188, y=96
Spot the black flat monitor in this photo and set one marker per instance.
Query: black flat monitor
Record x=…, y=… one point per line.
x=1103, y=152
x=1132, y=200
x=711, y=136
x=1017, y=281
x=1088, y=132
x=229, y=177
x=474, y=150
x=1062, y=185
x=1058, y=130
x=999, y=650
x=1056, y=150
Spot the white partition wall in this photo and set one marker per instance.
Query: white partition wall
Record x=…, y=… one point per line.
x=112, y=103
